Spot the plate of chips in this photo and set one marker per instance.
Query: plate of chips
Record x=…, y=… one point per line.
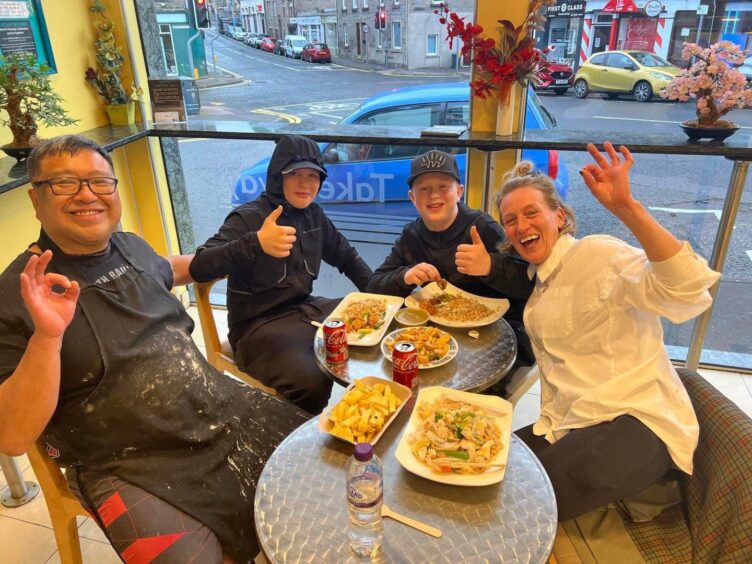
x=368, y=407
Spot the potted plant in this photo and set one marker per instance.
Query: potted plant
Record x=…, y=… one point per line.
x=28, y=99
x=498, y=65
x=717, y=86
x=120, y=105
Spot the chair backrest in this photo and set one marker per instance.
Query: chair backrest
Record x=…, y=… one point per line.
x=61, y=503
x=719, y=492
x=218, y=351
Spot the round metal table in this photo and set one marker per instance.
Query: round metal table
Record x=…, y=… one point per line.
x=301, y=509
x=479, y=363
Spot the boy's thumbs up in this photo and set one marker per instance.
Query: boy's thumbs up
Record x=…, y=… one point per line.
x=274, y=216
x=276, y=240
x=473, y=259
x=475, y=236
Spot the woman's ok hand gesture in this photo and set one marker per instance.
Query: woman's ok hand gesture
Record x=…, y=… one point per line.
x=608, y=179
x=50, y=311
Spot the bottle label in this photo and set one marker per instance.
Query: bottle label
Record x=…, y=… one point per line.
x=364, y=491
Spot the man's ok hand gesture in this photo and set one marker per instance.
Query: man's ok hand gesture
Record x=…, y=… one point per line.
x=50, y=311
x=473, y=259
x=276, y=240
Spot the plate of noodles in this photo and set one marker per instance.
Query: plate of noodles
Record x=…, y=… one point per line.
x=457, y=437
x=449, y=306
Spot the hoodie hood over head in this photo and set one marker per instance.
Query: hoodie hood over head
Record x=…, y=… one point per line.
x=290, y=149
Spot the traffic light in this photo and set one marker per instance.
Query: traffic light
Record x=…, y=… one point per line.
x=381, y=19
x=201, y=14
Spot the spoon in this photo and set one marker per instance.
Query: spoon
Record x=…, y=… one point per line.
x=422, y=527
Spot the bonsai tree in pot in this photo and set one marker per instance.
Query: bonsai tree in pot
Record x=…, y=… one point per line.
x=28, y=99
x=717, y=86
x=106, y=80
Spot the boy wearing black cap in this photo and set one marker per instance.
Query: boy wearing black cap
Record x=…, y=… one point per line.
x=454, y=242
x=271, y=251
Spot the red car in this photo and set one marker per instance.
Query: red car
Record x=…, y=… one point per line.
x=557, y=76
x=267, y=44
x=316, y=53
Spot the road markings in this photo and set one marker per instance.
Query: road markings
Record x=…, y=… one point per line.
x=326, y=115
x=749, y=254
x=289, y=117
x=651, y=120
x=716, y=213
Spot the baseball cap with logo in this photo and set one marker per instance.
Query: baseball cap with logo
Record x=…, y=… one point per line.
x=433, y=161
x=296, y=165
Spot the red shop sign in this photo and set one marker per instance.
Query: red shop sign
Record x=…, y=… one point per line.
x=621, y=7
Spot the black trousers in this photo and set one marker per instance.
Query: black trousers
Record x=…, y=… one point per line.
x=596, y=465
x=280, y=354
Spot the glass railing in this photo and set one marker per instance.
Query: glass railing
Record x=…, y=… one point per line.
x=684, y=186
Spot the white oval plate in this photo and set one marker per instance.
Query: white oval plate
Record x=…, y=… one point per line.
x=408, y=461
x=453, y=349
x=498, y=306
x=393, y=303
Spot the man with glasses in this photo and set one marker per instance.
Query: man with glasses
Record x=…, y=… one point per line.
x=453, y=242
x=96, y=358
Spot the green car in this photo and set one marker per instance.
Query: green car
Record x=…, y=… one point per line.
x=638, y=73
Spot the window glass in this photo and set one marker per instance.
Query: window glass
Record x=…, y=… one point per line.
x=649, y=59
x=457, y=113
x=598, y=60
x=618, y=61
x=396, y=36
x=432, y=45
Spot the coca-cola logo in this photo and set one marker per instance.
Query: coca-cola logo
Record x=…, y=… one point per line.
x=407, y=363
x=336, y=339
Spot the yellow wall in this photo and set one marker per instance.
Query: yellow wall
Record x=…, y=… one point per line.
x=483, y=112
x=143, y=187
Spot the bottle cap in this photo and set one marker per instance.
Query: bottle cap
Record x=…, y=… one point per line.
x=363, y=452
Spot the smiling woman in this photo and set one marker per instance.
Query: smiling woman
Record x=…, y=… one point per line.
x=593, y=320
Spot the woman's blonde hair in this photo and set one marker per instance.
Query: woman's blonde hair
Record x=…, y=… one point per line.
x=523, y=175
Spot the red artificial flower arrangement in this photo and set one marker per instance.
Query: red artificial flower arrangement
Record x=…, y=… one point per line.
x=511, y=60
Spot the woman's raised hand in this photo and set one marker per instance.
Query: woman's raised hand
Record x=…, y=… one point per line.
x=50, y=311
x=608, y=179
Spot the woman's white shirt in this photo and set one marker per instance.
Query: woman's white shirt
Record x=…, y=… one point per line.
x=593, y=320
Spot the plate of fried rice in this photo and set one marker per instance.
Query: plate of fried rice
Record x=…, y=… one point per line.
x=451, y=307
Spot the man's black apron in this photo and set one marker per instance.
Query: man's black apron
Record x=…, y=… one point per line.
x=161, y=417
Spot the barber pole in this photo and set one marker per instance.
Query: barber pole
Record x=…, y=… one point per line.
x=587, y=35
x=660, y=46
x=335, y=338
x=405, y=364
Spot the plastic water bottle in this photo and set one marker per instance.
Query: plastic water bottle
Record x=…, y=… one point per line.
x=364, y=474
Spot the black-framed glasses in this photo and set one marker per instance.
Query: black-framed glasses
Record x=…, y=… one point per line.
x=66, y=186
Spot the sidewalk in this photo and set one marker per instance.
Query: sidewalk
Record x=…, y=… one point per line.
x=220, y=78
x=375, y=66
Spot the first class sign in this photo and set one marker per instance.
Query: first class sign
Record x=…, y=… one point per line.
x=572, y=8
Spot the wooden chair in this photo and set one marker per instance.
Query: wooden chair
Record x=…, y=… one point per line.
x=61, y=503
x=218, y=351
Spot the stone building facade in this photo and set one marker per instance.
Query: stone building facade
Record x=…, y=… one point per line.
x=413, y=37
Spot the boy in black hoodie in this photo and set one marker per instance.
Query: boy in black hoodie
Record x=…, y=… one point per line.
x=271, y=251
x=453, y=242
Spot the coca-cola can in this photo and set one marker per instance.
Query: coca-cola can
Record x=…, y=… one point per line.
x=405, y=364
x=335, y=337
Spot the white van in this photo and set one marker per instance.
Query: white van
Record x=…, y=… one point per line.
x=294, y=45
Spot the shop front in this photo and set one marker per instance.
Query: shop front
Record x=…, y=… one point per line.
x=563, y=26
x=310, y=27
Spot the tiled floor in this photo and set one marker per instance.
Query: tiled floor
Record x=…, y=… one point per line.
x=26, y=535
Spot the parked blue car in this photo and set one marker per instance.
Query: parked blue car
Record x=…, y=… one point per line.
x=365, y=173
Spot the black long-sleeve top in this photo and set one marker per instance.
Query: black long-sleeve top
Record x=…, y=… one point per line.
x=259, y=285
x=507, y=279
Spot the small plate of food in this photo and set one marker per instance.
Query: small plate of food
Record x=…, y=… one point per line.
x=435, y=347
x=457, y=437
x=369, y=405
x=367, y=316
x=411, y=317
x=449, y=306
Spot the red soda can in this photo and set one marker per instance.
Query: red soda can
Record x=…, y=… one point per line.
x=335, y=337
x=405, y=364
